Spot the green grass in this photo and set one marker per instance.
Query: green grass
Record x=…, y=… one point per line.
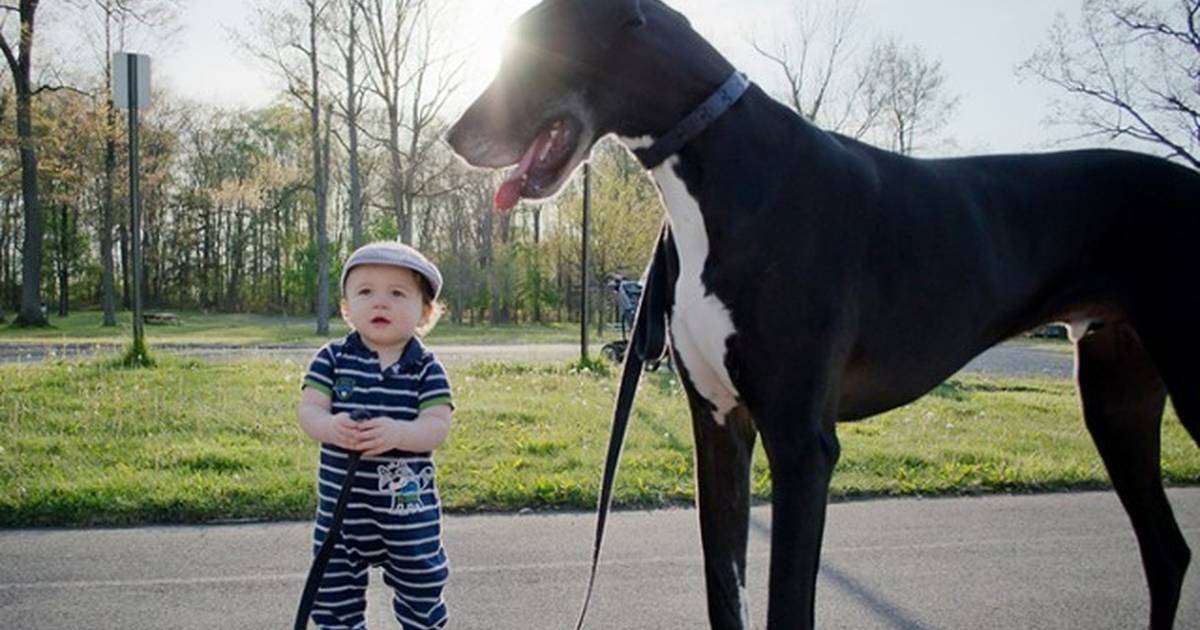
x=90, y=443
x=247, y=329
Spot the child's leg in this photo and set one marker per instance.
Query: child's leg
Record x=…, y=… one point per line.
x=342, y=597
x=341, y=601
x=417, y=581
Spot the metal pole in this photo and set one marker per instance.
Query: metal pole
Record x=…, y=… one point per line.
x=583, y=293
x=135, y=207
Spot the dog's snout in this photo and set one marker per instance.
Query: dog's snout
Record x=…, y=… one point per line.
x=464, y=140
x=454, y=136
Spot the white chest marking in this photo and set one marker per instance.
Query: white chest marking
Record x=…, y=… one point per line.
x=1077, y=328
x=700, y=323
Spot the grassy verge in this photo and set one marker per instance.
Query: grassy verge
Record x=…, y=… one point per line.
x=248, y=329
x=86, y=444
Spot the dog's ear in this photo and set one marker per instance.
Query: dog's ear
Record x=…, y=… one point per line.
x=605, y=19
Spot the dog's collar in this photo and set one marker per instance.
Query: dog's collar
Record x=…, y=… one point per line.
x=690, y=127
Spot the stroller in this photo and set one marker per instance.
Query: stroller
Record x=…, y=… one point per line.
x=626, y=294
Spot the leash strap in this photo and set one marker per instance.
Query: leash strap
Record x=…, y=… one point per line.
x=321, y=560
x=648, y=342
x=691, y=126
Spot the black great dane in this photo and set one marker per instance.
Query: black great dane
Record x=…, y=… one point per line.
x=820, y=279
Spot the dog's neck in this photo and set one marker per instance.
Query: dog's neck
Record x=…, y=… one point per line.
x=694, y=123
x=667, y=70
x=671, y=71
x=704, y=166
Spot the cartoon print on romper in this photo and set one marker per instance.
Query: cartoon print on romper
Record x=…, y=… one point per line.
x=405, y=486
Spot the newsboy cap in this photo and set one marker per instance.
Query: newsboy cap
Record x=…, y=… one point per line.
x=395, y=254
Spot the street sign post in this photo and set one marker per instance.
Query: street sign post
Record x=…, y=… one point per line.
x=122, y=73
x=131, y=90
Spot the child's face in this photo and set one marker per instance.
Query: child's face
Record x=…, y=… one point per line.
x=384, y=304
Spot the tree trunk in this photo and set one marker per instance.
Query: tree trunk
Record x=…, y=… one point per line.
x=410, y=196
x=237, y=248
x=107, y=293
x=396, y=181
x=206, y=259
x=356, y=192
x=64, y=260
x=319, y=180
x=31, y=251
x=323, y=285
x=6, y=254
x=277, y=262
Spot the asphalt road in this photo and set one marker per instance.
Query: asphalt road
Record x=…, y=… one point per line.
x=1061, y=561
x=1014, y=358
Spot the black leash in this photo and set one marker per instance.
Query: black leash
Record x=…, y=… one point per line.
x=648, y=342
x=321, y=560
x=650, y=329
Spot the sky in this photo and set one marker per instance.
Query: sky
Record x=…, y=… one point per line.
x=979, y=42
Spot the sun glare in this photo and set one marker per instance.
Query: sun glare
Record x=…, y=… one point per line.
x=481, y=33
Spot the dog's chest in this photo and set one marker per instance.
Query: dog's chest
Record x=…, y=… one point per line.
x=700, y=322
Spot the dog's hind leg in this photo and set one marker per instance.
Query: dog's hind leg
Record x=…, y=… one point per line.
x=1123, y=398
x=723, y=456
x=1174, y=347
x=1185, y=397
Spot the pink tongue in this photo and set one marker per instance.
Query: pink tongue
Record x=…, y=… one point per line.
x=509, y=192
x=508, y=195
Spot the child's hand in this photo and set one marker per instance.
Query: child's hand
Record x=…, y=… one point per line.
x=380, y=435
x=345, y=432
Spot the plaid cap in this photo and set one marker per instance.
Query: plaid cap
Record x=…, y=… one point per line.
x=395, y=254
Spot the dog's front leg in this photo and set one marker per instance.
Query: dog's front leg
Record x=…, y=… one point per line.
x=802, y=450
x=723, y=455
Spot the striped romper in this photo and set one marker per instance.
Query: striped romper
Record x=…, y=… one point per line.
x=393, y=517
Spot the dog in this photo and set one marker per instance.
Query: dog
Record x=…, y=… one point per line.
x=820, y=279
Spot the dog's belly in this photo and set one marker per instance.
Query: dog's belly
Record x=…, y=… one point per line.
x=700, y=323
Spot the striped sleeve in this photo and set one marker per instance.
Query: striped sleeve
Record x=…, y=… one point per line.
x=320, y=371
x=435, y=387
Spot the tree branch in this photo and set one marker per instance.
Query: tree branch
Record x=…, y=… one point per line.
x=13, y=64
x=62, y=88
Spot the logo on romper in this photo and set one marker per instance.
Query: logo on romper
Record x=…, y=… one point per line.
x=405, y=486
x=343, y=388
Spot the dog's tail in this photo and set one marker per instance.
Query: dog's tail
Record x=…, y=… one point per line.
x=648, y=343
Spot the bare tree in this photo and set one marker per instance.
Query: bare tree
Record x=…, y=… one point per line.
x=435, y=76
x=389, y=25
x=283, y=33
x=345, y=35
x=891, y=95
x=108, y=296
x=911, y=89
x=21, y=65
x=810, y=58
x=320, y=166
x=1129, y=70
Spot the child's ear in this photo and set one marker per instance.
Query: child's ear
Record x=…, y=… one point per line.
x=345, y=310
